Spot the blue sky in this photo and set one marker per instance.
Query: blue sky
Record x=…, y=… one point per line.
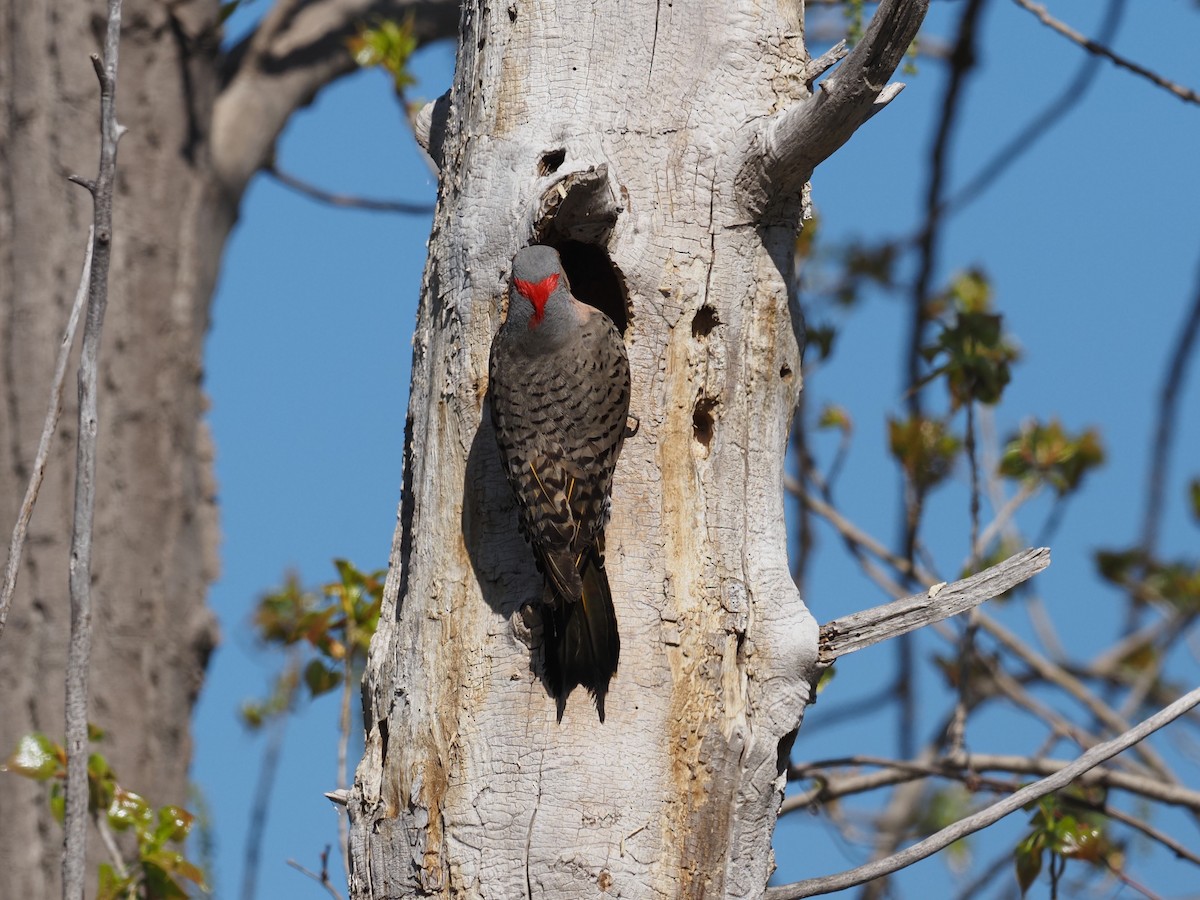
x=1091, y=241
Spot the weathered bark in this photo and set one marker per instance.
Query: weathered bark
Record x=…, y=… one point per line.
x=659, y=146
x=155, y=527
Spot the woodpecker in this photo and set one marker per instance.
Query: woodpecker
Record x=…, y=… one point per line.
x=559, y=388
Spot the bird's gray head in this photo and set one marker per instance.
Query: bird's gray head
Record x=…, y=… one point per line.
x=541, y=294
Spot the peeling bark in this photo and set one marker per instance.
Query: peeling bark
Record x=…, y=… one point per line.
x=634, y=137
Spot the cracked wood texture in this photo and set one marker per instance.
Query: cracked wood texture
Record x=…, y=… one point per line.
x=626, y=125
x=155, y=527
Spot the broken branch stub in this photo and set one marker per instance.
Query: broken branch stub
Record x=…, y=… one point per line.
x=862, y=629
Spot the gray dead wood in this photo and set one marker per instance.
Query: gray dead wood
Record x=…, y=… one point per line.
x=862, y=629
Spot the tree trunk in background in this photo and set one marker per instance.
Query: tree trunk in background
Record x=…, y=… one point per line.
x=156, y=528
x=636, y=138
x=201, y=124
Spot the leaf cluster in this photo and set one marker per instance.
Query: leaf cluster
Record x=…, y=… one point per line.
x=161, y=870
x=974, y=356
x=389, y=44
x=1048, y=453
x=331, y=627
x=1064, y=831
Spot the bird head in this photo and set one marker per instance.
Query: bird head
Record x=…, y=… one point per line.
x=539, y=287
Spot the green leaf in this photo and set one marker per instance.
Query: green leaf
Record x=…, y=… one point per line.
x=36, y=757
x=319, y=678
x=174, y=823
x=348, y=572
x=389, y=46
x=112, y=886
x=1194, y=495
x=1117, y=566
x=58, y=802
x=1177, y=583
x=925, y=449
x=873, y=263
x=1050, y=454
x=1082, y=840
x=834, y=416
x=129, y=810
x=253, y=714
x=972, y=291
x=159, y=880
x=1028, y=859
x=821, y=338
x=101, y=782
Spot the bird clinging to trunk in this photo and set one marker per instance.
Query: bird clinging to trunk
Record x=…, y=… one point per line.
x=559, y=386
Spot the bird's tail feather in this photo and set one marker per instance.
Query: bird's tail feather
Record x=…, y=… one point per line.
x=582, y=642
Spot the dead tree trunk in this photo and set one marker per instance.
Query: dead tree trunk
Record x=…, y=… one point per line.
x=664, y=149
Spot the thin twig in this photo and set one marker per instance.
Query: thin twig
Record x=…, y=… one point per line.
x=288, y=682
x=985, y=817
x=344, y=739
x=894, y=771
x=1151, y=832
x=1054, y=113
x=962, y=60
x=1060, y=726
x=1183, y=93
x=1168, y=417
x=1057, y=675
x=322, y=879
x=80, y=569
x=1106, y=664
x=955, y=764
x=346, y=201
x=110, y=844
x=1024, y=494
x=966, y=648
x=17, y=546
x=856, y=535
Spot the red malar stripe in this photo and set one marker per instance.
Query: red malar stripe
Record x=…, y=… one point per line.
x=537, y=293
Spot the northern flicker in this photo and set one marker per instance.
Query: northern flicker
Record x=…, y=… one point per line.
x=559, y=387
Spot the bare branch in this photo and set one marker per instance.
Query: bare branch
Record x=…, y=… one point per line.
x=1183, y=93
x=1054, y=113
x=803, y=136
x=969, y=825
x=80, y=576
x=345, y=201
x=1164, y=431
x=296, y=51
x=268, y=769
x=956, y=765
x=1027, y=492
x=322, y=878
x=1153, y=833
x=110, y=843
x=16, y=547
x=1057, y=675
x=862, y=629
x=962, y=61
x=853, y=534
x=349, y=683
